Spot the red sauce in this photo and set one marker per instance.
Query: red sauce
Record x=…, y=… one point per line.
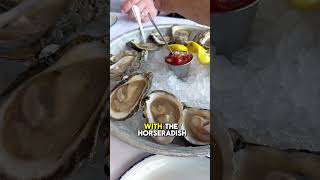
x=179, y=58
x=229, y=5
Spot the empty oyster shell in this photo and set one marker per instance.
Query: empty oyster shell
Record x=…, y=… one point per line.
x=181, y=34
x=197, y=124
x=126, y=97
x=139, y=46
x=163, y=107
x=158, y=39
x=203, y=39
x=49, y=123
x=121, y=62
x=25, y=23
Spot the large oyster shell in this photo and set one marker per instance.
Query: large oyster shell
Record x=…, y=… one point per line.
x=181, y=34
x=49, y=123
x=24, y=24
x=125, y=98
x=163, y=107
x=121, y=62
x=156, y=37
x=253, y=162
x=203, y=39
x=197, y=124
x=140, y=46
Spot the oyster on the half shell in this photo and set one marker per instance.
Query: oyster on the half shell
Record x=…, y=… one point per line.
x=156, y=37
x=197, y=124
x=252, y=161
x=181, y=34
x=203, y=39
x=163, y=107
x=25, y=23
x=125, y=98
x=140, y=46
x=121, y=62
x=49, y=124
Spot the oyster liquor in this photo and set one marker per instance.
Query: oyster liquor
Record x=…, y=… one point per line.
x=161, y=129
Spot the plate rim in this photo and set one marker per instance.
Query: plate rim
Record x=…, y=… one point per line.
x=148, y=157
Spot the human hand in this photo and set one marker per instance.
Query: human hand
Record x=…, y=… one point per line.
x=145, y=7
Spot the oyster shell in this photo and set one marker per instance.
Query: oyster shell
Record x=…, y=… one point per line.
x=181, y=34
x=115, y=58
x=197, y=124
x=252, y=161
x=163, y=107
x=156, y=37
x=139, y=46
x=49, y=123
x=25, y=23
x=126, y=97
x=203, y=39
x=121, y=62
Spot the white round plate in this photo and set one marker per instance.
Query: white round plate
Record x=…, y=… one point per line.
x=160, y=167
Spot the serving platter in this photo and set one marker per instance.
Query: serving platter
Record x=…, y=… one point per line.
x=127, y=130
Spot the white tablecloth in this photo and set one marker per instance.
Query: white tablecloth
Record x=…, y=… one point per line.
x=122, y=156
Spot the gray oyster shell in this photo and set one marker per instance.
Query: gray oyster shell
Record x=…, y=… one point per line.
x=139, y=46
x=181, y=34
x=203, y=39
x=197, y=124
x=125, y=98
x=156, y=37
x=163, y=107
x=41, y=136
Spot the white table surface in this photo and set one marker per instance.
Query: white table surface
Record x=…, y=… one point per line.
x=122, y=155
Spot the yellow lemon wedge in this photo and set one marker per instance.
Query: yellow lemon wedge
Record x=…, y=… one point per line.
x=203, y=57
x=178, y=47
x=305, y=4
x=195, y=47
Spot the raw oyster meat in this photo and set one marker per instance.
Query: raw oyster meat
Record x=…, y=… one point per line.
x=203, y=39
x=181, y=34
x=49, y=124
x=156, y=37
x=121, y=62
x=139, y=46
x=125, y=98
x=163, y=107
x=252, y=161
x=25, y=23
x=197, y=124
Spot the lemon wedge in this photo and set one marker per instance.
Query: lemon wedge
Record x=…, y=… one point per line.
x=178, y=47
x=203, y=57
x=195, y=47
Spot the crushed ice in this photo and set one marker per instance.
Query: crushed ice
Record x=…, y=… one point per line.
x=194, y=90
x=275, y=98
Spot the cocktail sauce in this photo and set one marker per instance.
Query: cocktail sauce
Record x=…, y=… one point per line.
x=179, y=58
